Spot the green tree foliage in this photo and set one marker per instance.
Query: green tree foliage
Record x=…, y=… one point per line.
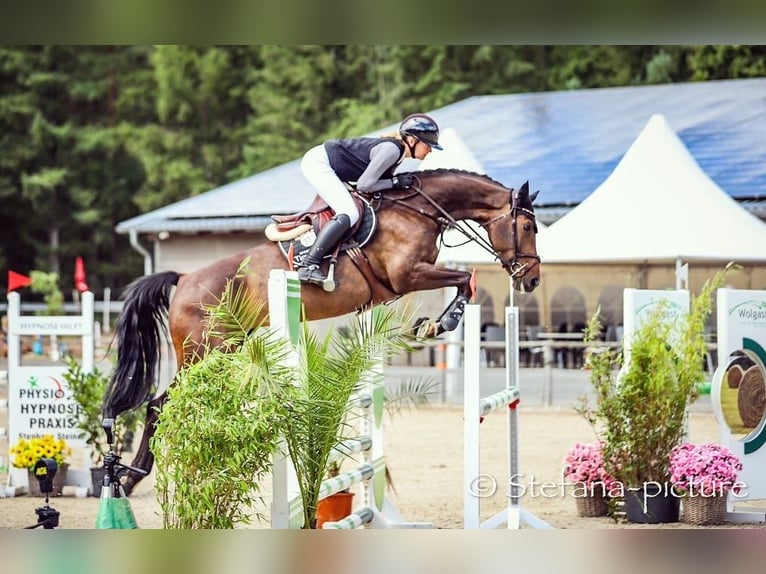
x=717, y=62
x=93, y=135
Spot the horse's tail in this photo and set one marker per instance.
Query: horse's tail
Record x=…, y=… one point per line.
x=140, y=330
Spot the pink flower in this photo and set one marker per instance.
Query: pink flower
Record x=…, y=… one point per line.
x=584, y=464
x=703, y=469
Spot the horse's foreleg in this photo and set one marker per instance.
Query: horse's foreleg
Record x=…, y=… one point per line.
x=144, y=459
x=450, y=317
x=425, y=277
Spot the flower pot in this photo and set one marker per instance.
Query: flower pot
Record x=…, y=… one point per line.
x=334, y=507
x=651, y=504
x=97, y=480
x=704, y=510
x=58, y=482
x=591, y=505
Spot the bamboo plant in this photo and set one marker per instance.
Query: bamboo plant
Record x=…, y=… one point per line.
x=640, y=407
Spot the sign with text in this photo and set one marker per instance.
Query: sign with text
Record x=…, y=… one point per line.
x=639, y=304
x=39, y=400
x=738, y=392
x=29, y=325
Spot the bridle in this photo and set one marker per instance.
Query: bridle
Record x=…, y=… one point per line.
x=514, y=267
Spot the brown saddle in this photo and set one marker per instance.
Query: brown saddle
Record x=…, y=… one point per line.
x=317, y=209
x=294, y=234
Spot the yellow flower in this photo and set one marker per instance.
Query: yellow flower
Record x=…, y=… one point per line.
x=26, y=452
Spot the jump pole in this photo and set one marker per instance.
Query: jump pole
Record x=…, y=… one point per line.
x=475, y=408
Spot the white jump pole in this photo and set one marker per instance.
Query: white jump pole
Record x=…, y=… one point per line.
x=474, y=410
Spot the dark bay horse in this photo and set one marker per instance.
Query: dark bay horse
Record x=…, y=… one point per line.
x=400, y=259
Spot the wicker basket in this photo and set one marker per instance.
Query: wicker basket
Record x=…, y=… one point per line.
x=704, y=510
x=592, y=505
x=58, y=482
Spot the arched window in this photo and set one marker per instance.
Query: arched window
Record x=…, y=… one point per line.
x=567, y=309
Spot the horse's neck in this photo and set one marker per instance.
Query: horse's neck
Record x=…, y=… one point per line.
x=469, y=197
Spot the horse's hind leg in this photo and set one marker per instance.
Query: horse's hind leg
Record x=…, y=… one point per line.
x=144, y=459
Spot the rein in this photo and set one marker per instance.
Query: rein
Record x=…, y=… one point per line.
x=514, y=267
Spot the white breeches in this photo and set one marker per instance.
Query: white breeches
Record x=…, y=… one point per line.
x=315, y=166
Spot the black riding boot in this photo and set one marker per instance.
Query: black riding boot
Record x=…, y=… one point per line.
x=328, y=238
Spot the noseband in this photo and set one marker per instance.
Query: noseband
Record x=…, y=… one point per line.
x=514, y=267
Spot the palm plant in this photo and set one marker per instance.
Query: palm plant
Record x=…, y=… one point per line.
x=330, y=370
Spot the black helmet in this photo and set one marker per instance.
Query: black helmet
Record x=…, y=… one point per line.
x=422, y=127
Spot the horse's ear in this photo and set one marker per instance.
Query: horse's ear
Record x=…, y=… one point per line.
x=533, y=196
x=524, y=189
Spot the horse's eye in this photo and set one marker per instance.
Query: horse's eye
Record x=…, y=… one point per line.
x=527, y=227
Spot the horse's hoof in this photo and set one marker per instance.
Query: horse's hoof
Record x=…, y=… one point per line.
x=424, y=328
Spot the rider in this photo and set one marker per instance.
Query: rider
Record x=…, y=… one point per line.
x=371, y=163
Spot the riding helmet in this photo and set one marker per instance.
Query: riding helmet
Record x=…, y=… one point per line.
x=422, y=127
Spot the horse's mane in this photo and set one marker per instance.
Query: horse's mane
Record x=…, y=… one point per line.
x=526, y=203
x=450, y=171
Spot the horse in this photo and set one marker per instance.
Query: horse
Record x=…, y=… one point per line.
x=398, y=259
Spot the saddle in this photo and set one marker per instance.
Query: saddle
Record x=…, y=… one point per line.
x=316, y=215
x=295, y=234
x=312, y=219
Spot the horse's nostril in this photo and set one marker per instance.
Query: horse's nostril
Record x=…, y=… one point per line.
x=535, y=281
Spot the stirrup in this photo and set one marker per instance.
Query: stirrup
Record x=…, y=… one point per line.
x=311, y=274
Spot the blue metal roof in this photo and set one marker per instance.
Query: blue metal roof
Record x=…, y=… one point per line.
x=567, y=143
x=564, y=143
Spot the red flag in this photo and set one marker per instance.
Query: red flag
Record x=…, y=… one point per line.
x=79, y=275
x=17, y=280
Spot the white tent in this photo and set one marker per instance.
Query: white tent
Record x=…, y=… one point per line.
x=656, y=206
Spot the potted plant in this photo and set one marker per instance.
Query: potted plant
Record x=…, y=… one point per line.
x=584, y=467
x=330, y=371
x=703, y=475
x=640, y=410
x=26, y=453
x=414, y=393
x=88, y=390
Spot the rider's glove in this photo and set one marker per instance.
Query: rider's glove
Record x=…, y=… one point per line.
x=402, y=181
